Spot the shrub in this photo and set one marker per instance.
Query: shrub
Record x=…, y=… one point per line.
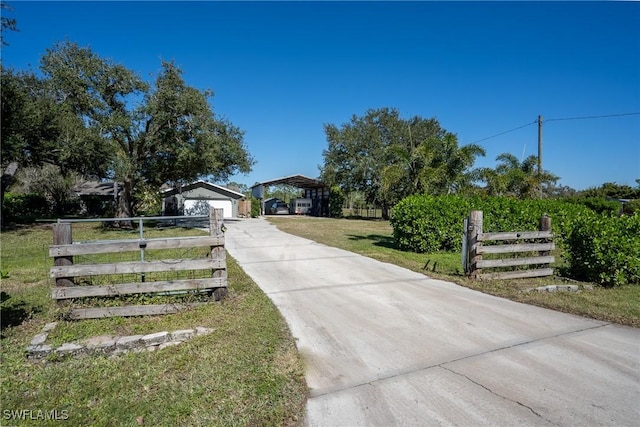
x=631, y=207
x=336, y=201
x=605, y=250
x=25, y=207
x=598, y=204
x=428, y=224
x=256, y=208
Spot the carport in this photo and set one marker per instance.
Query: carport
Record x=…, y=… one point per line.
x=314, y=189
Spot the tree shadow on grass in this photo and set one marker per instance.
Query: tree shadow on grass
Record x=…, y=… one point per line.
x=377, y=239
x=13, y=313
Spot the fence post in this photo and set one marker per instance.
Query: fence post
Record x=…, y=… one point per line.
x=545, y=225
x=475, y=228
x=62, y=236
x=216, y=226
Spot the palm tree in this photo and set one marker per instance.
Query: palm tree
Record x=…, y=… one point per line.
x=516, y=179
x=454, y=164
x=436, y=165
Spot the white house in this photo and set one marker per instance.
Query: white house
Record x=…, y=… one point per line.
x=192, y=199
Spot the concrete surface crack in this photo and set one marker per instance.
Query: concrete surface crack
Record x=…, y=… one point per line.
x=498, y=395
x=412, y=369
x=527, y=342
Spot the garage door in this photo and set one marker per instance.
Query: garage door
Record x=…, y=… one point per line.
x=223, y=204
x=192, y=207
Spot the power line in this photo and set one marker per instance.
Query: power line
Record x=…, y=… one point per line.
x=505, y=132
x=556, y=120
x=592, y=117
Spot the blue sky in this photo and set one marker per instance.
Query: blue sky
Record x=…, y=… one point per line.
x=281, y=70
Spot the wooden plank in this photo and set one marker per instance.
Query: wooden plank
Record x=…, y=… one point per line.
x=515, y=235
x=92, y=248
x=474, y=229
x=216, y=227
x=135, y=267
x=131, y=310
x=62, y=235
x=510, y=262
x=137, y=288
x=521, y=247
x=517, y=274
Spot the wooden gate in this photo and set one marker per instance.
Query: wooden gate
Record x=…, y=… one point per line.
x=65, y=271
x=475, y=246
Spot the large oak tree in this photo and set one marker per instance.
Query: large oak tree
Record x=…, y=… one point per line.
x=165, y=133
x=38, y=130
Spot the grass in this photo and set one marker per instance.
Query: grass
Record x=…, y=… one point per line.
x=373, y=238
x=246, y=372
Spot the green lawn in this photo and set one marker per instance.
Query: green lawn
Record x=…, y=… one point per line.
x=246, y=372
x=373, y=238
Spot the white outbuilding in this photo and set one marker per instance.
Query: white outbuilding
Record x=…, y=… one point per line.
x=198, y=197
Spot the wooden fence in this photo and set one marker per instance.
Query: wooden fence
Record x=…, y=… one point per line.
x=244, y=208
x=539, y=242
x=65, y=271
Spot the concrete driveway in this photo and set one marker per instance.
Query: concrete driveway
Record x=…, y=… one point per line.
x=384, y=346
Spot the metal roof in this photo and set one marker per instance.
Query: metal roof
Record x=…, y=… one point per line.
x=299, y=181
x=203, y=184
x=95, y=188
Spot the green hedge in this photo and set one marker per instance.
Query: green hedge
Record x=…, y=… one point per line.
x=598, y=204
x=20, y=207
x=428, y=223
x=434, y=223
x=599, y=248
x=605, y=250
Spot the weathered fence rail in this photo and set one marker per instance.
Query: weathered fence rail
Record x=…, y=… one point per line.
x=66, y=272
x=512, y=243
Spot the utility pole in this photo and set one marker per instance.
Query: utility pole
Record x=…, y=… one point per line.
x=540, y=154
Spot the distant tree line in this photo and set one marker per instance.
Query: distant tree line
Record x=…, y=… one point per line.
x=386, y=158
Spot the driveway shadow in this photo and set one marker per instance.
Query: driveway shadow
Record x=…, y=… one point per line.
x=377, y=239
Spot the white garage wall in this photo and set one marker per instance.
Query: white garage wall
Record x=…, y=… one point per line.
x=225, y=205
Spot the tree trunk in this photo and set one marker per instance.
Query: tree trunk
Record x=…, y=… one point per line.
x=125, y=205
x=385, y=212
x=7, y=178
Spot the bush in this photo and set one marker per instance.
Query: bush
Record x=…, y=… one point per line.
x=25, y=207
x=632, y=207
x=256, y=208
x=430, y=224
x=598, y=204
x=336, y=201
x=605, y=250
